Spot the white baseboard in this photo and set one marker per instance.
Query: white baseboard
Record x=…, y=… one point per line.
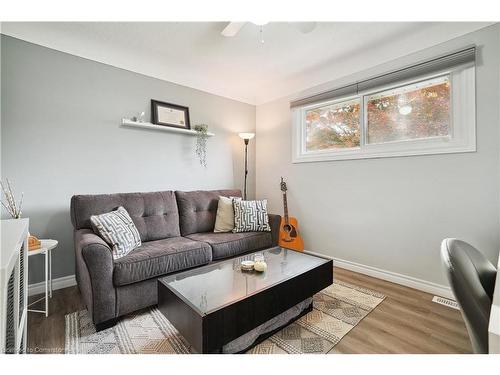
x=59, y=283
x=393, y=277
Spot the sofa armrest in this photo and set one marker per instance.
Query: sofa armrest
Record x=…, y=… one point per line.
x=94, y=274
x=274, y=222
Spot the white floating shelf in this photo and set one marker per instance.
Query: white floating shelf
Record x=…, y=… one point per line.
x=148, y=125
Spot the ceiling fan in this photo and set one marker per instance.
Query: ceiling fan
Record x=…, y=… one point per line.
x=232, y=28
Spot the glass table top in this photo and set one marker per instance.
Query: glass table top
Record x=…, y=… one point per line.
x=211, y=287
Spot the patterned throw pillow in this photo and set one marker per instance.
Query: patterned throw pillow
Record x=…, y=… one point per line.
x=251, y=216
x=118, y=230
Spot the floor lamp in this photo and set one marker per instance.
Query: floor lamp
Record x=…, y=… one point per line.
x=246, y=137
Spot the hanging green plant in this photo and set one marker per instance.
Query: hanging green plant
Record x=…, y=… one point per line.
x=201, y=143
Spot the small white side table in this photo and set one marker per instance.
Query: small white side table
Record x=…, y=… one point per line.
x=46, y=250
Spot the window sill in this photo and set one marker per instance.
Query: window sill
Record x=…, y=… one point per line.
x=367, y=153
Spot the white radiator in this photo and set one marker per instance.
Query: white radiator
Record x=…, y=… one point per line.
x=13, y=285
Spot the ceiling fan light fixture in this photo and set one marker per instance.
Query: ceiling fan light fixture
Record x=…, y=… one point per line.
x=260, y=23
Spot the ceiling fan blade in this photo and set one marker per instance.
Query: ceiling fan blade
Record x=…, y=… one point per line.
x=304, y=27
x=232, y=28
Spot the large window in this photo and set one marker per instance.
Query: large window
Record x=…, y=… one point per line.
x=426, y=115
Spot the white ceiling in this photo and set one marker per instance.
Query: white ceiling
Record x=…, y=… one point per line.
x=194, y=54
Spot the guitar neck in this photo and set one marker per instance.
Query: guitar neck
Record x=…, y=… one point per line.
x=285, y=208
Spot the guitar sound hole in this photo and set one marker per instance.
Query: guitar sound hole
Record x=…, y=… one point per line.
x=290, y=229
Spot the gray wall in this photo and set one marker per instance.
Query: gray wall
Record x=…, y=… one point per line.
x=392, y=213
x=61, y=136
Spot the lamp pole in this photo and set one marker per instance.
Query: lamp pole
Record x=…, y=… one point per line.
x=246, y=138
x=246, y=169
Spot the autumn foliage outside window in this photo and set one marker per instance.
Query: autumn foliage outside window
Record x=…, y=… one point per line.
x=410, y=113
x=333, y=126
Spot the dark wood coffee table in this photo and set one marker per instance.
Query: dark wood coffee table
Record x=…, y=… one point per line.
x=215, y=304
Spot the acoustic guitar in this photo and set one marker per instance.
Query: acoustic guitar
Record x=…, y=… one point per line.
x=289, y=236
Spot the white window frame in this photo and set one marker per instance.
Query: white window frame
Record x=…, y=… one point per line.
x=461, y=138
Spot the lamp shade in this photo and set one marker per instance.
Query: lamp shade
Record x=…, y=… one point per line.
x=246, y=135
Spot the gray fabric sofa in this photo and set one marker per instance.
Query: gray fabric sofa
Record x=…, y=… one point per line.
x=176, y=230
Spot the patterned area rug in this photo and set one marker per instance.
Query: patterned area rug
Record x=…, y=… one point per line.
x=337, y=310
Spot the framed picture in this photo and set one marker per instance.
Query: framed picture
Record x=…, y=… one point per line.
x=168, y=114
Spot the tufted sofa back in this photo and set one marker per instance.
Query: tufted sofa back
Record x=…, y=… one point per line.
x=155, y=214
x=198, y=209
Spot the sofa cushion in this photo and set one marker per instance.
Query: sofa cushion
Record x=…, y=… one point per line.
x=154, y=214
x=226, y=245
x=157, y=258
x=198, y=209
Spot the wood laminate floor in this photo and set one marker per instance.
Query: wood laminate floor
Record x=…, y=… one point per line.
x=407, y=321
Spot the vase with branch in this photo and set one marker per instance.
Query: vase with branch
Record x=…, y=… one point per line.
x=201, y=143
x=13, y=208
